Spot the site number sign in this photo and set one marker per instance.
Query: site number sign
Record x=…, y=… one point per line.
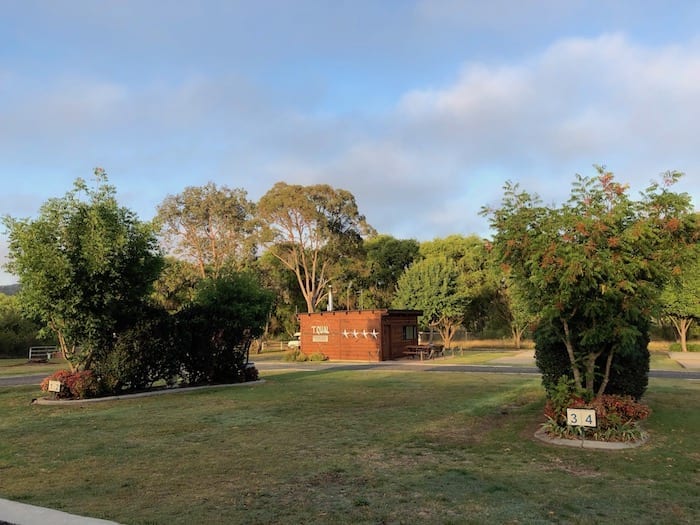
x=580, y=417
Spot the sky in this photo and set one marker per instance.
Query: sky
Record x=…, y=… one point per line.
x=422, y=109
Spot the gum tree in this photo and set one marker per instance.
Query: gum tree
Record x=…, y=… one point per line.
x=209, y=226
x=313, y=231
x=594, y=267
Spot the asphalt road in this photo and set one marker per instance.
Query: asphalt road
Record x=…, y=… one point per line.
x=425, y=366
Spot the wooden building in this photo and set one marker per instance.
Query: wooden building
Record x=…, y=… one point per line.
x=359, y=335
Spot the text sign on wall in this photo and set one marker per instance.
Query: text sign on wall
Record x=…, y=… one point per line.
x=581, y=417
x=319, y=338
x=54, y=386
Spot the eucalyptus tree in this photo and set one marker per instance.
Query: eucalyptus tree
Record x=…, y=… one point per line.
x=85, y=265
x=209, y=226
x=594, y=267
x=314, y=231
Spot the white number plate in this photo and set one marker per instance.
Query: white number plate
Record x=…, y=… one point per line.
x=580, y=417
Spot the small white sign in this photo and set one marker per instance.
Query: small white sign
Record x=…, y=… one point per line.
x=54, y=386
x=581, y=417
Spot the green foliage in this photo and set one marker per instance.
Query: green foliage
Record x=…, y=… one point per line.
x=215, y=331
x=593, y=268
x=387, y=259
x=318, y=356
x=629, y=368
x=85, y=267
x=209, y=226
x=680, y=300
x=176, y=284
x=294, y=355
x=142, y=354
x=17, y=333
x=315, y=231
x=434, y=285
x=691, y=347
x=617, y=416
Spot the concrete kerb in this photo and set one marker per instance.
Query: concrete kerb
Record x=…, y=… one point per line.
x=175, y=390
x=589, y=443
x=23, y=514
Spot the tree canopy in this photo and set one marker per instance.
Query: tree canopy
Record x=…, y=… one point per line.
x=594, y=266
x=210, y=226
x=85, y=266
x=313, y=231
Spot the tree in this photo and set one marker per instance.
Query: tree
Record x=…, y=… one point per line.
x=17, y=333
x=473, y=263
x=387, y=259
x=176, y=284
x=85, y=267
x=310, y=229
x=209, y=226
x=594, y=267
x=680, y=300
x=215, y=330
x=433, y=285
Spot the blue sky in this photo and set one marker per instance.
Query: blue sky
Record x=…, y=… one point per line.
x=422, y=109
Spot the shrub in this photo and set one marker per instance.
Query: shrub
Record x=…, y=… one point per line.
x=628, y=372
x=75, y=385
x=251, y=373
x=295, y=355
x=140, y=355
x=318, y=356
x=692, y=347
x=616, y=416
x=215, y=331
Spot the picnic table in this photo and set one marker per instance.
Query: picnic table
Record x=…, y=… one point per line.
x=423, y=351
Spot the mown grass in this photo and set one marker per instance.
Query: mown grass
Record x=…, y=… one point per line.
x=19, y=367
x=346, y=447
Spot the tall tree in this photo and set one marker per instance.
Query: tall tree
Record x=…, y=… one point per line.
x=594, y=266
x=210, y=226
x=387, y=259
x=85, y=267
x=434, y=285
x=310, y=229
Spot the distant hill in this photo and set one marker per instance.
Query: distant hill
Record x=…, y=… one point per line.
x=9, y=289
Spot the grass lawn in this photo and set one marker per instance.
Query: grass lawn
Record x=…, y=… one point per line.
x=19, y=367
x=346, y=447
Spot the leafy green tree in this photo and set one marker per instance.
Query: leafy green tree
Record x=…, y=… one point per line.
x=17, y=333
x=387, y=259
x=314, y=231
x=209, y=226
x=85, y=267
x=594, y=266
x=680, y=300
x=473, y=262
x=434, y=286
x=176, y=285
x=215, y=330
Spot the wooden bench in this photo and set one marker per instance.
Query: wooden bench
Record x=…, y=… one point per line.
x=41, y=354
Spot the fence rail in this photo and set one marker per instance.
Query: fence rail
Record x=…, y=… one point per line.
x=42, y=353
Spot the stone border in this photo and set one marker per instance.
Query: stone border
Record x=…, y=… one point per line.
x=589, y=443
x=174, y=390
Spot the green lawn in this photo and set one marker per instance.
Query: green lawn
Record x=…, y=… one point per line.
x=346, y=447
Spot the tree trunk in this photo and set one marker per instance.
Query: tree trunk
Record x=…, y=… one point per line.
x=606, y=376
x=572, y=356
x=682, y=325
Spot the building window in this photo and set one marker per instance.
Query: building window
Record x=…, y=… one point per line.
x=410, y=333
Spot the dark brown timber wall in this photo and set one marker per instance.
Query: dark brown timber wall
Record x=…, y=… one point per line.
x=359, y=335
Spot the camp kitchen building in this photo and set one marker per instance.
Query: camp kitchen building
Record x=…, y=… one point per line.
x=359, y=335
